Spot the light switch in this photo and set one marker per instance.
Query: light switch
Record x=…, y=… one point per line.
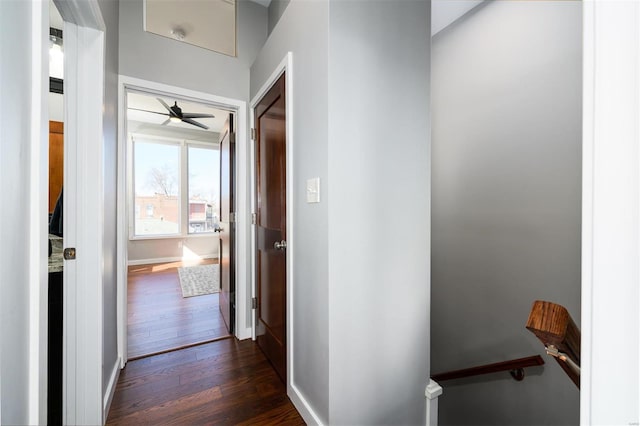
x=313, y=190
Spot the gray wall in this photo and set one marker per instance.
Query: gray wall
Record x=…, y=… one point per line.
x=276, y=9
x=15, y=172
x=303, y=30
x=349, y=296
x=163, y=60
x=378, y=192
x=168, y=249
x=109, y=9
x=506, y=203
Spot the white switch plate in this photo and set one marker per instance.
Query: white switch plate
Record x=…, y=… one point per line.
x=313, y=190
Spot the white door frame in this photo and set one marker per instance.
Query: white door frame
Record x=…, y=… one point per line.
x=38, y=199
x=243, y=327
x=611, y=214
x=83, y=211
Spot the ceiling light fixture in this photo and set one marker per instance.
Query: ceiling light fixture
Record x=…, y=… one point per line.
x=56, y=61
x=175, y=119
x=178, y=33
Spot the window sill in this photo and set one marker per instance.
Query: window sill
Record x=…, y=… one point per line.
x=173, y=237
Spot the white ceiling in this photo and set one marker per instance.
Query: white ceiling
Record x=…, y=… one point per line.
x=55, y=20
x=446, y=12
x=150, y=103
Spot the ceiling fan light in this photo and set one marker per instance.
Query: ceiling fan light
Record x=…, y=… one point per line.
x=175, y=119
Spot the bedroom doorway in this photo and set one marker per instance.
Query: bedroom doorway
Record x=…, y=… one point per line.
x=173, y=209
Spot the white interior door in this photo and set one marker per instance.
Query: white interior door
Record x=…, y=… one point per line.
x=83, y=210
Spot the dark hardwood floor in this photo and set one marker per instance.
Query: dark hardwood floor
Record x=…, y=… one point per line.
x=222, y=383
x=160, y=319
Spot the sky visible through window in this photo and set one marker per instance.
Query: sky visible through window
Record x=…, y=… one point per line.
x=204, y=177
x=156, y=168
x=204, y=186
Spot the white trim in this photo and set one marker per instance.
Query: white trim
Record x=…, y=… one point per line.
x=156, y=260
x=111, y=390
x=588, y=118
x=303, y=407
x=252, y=206
x=84, y=202
x=124, y=186
x=285, y=66
x=82, y=13
x=83, y=299
x=243, y=224
x=38, y=200
x=610, y=213
x=161, y=237
x=122, y=226
x=245, y=333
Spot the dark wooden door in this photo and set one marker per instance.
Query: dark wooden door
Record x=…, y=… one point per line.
x=227, y=225
x=271, y=253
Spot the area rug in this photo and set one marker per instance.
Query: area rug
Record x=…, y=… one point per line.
x=199, y=280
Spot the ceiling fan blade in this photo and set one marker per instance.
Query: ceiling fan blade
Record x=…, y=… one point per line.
x=146, y=110
x=166, y=122
x=195, y=123
x=164, y=104
x=195, y=115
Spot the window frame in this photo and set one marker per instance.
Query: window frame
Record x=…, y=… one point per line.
x=183, y=184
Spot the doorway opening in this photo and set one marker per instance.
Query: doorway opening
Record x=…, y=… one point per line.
x=55, y=226
x=173, y=232
x=190, y=238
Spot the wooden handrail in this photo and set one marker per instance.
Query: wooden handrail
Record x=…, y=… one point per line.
x=555, y=328
x=515, y=367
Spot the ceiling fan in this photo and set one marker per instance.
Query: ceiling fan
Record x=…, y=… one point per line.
x=176, y=115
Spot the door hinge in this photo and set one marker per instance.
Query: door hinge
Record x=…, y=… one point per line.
x=253, y=134
x=254, y=218
x=254, y=303
x=232, y=217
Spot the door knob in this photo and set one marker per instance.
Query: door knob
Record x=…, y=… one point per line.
x=69, y=253
x=280, y=245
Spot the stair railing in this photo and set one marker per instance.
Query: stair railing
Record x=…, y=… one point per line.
x=552, y=324
x=515, y=367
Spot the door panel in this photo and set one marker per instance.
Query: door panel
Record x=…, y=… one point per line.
x=271, y=226
x=226, y=230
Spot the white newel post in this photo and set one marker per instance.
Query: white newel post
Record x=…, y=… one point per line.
x=432, y=392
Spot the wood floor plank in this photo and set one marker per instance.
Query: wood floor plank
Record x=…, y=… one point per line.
x=281, y=415
x=159, y=318
x=222, y=383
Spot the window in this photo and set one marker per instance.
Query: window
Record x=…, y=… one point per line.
x=162, y=206
x=203, y=188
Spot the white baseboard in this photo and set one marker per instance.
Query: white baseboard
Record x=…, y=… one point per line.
x=111, y=389
x=165, y=260
x=244, y=333
x=303, y=407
